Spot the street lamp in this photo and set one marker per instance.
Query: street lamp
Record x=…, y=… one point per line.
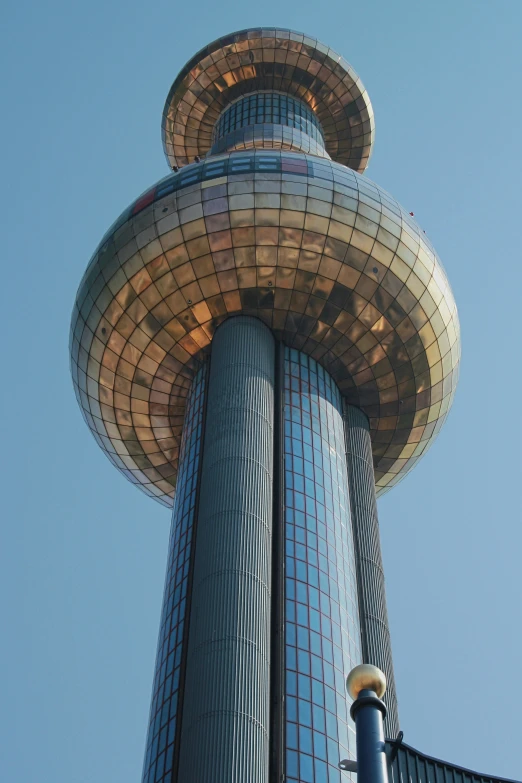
x=366, y=684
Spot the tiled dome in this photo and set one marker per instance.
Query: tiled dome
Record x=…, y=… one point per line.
x=322, y=255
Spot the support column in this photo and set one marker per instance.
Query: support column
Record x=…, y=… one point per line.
x=161, y=753
x=375, y=631
x=225, y=723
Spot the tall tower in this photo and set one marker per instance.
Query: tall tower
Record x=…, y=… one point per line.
x=265, y=341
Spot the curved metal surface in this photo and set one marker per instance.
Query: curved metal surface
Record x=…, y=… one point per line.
x=268, y=59
x=368, y=711
x=281, y=137
x=326, y=258
x=373, y=613
x=407, y=765
x=226, y=709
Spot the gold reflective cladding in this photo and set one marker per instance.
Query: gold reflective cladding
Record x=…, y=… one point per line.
x=338, y=270
x=268, y=59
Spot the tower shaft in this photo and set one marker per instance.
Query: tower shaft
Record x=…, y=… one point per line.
x=249, y=683
x=373, y=613
x=227, y=695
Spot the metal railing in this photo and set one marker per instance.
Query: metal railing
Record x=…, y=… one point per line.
x=407, y=765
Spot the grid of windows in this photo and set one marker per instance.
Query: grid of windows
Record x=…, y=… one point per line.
x=268, y=107
x=238, y=163
x=271, y=137
x=162, y=726
x=322, y=636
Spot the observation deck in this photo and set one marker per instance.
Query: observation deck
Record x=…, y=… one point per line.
x=274, y=220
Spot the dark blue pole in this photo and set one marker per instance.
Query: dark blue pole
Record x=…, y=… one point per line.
x=368, y=712
x=366, y=684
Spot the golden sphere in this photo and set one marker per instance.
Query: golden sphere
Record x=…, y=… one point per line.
x=366, y=677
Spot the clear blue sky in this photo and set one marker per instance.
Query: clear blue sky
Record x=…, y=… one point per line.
x=83, y=553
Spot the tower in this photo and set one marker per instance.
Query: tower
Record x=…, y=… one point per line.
x=266, y=341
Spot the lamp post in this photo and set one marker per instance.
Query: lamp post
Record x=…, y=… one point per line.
x=366, y=684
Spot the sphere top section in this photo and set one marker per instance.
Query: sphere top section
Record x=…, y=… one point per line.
x=268, y=59
x=327, y=259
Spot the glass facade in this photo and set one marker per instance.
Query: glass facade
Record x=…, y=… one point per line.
x=268, y=107
x=322, y=636
x=164, y=707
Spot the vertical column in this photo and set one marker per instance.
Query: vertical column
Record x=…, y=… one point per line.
x=226, y=710
x=322, y=639
x=167, y=691
x=375, y=631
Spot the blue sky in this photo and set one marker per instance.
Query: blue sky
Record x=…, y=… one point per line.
x=83, y=553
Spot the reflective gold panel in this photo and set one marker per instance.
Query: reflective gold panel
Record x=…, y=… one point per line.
x=325, y=257
x=273, y=59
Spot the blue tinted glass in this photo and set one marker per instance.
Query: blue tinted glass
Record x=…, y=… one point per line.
x=306, y=768
x=291, y=736
x=269, y=108
x=167, y=676
x=291, y=763
x=325, y=644
x=305, y=739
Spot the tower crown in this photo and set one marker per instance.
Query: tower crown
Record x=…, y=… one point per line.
x=284, y=62
x=271, y=218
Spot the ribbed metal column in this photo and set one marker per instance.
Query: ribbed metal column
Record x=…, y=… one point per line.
x=375, y=631
x=226, y=711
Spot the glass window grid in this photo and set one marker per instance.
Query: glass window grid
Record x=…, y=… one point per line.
x=163, y=712
x=322, y=636
x=268, y=107
x=294, y=163
x=269, y=137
